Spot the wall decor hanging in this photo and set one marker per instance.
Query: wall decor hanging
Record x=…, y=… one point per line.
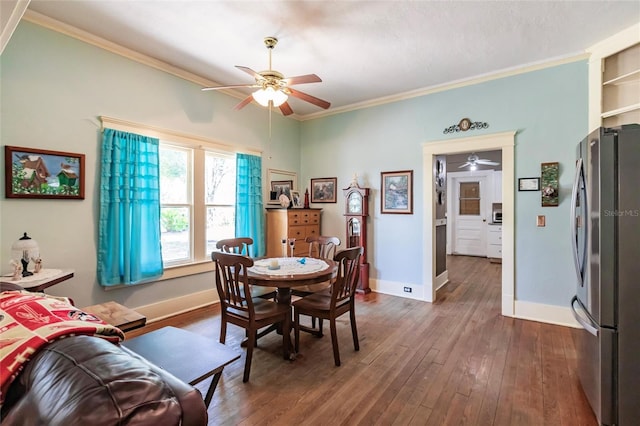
x=529, y=184
x=397, y=192
x=323, y=190
x=39, y=173
x=464, y=125
x=549, y=176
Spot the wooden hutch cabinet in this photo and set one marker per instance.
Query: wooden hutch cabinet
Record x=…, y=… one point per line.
x=291, y=223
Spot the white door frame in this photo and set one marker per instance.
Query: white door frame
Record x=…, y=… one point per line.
x=504, y=141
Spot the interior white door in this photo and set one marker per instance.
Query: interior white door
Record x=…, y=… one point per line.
x=469, y=211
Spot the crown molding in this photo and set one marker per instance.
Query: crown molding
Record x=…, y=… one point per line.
x=17, y=11
x=71, y=31
x=507, y=72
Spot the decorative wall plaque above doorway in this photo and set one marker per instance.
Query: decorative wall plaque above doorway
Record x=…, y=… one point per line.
x=466, y=124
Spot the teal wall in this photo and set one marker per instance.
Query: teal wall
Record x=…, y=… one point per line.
x=53, y=88
x=548, y=109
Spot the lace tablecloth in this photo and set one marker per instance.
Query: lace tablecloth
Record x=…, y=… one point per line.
x=289, y=266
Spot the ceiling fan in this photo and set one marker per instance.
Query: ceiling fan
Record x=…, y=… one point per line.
x=273, y=87
x=473, y=160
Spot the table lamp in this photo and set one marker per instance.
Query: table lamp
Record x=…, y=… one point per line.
x=24, y=249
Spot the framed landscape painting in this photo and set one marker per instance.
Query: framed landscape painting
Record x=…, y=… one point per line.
x=39, y=173
x=397, y=192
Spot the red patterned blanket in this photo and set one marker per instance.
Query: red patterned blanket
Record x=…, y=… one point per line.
x=29, y=321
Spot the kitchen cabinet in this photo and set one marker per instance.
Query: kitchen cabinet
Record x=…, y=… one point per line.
x=494, y=243
x=291, y=223
x=614, y=80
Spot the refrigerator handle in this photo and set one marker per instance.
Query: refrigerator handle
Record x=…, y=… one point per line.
x=574, y=236
x=587, y=323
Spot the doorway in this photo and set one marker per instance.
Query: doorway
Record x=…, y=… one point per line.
x=502, y=141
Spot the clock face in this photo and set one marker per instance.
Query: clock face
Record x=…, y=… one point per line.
x=354, y=203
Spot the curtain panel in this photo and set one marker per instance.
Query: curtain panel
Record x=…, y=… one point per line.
x=129, y=249
x=249, y=210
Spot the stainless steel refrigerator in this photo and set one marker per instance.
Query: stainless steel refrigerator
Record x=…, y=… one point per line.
x=605, y=218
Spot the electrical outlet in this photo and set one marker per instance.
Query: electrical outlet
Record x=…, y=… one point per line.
x=407, y=289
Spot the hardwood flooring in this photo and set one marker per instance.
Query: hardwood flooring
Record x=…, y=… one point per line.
x=454, y=362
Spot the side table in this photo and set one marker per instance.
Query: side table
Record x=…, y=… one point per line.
x=43, y=279
x=115, y=314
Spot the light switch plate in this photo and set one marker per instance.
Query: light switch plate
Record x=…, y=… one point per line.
x=541, y=221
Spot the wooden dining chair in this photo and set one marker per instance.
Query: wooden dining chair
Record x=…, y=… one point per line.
x=241, y=245
x=331, y=306
x=238, y=307
x=321, y=247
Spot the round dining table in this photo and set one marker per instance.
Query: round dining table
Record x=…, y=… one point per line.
x=290, y=272
x=287, y=272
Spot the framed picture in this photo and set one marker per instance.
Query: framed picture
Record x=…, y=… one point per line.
x=295, y=199
x=323, y=190
x=279, y=187
x=38, y=173
x=549, y=175
x=529, y=184
x=397, y=192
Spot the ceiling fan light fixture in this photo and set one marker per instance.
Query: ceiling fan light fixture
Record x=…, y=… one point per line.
x=263, y=96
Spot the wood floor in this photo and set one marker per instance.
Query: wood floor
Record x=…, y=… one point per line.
x=454, y=362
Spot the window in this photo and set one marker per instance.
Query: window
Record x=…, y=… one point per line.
x=469, y=198
x=197, y=194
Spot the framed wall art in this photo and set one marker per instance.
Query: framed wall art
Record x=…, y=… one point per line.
x=280, y=187
x=550, y=173
x=323, y=190
x=529, y=184
x=39, y=173
x=397, y=192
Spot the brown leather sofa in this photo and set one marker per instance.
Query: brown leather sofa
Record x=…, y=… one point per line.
x=86, y=380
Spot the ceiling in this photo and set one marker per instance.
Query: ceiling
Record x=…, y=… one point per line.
x=365, y=52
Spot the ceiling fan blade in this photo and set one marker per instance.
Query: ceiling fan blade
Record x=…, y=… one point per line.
x=246, y=101
x=487, y=162
x=231, y=86
x=251, y=72
x=465, y=165
x=285, y=108
x=308, y=98
x=302, y=79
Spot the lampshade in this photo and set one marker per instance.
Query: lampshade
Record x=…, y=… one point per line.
x=263, y=96
x=25, y=248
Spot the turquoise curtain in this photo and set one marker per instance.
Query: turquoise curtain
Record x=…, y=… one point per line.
x=129, y=250
x=249, y=213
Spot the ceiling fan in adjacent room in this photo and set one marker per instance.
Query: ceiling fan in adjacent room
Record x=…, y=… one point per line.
x=273, y=87
x=473, y=161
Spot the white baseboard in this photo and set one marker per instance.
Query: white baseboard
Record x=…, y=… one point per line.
x=393, y=288
x=550, y=314
x=178, y=305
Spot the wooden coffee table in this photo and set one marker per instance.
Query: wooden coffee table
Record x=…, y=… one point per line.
x=188, y=356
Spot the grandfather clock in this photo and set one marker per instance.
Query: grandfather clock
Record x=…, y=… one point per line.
x=356, y=212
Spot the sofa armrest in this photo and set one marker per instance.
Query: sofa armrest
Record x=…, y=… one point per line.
x=84, y=380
